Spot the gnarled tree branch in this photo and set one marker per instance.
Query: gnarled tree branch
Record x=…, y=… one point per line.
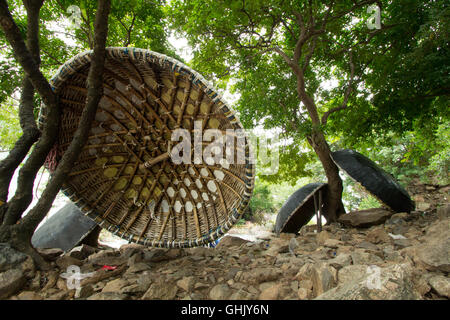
x=95, y=92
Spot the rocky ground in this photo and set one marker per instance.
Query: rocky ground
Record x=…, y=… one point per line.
x=376, y=255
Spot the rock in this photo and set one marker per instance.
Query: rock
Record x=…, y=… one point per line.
x=302, y=294
x=359, y=256
x=423, y=206
x=391, y=255
x=258, y=275
x=129, y=249
x=241, y=294
x=341, y=260
x=107, y=257
x=138, y=267
x=323, y=278
x=84, y=292
x=390, y=283
x=397, y=219
x=220, y=292
x=61, y=284
x=159, y=255
x=35, y=284
x=115, y=285
x=306, y=284
x=9, y=257
x=230, y=241
x=11, y=281
x=441, y=285
x=421, y=285
x=50, y=254
x=332, y=243
x=305, y=272
x=60, y=295
x=365, y=218
x=270, y=293
x=135, y=258
x=402, y=243
x=134, y=289
x=443, y=212
x=367, y=245
x=13, y=259
x=322, y=237
x=277, y=246
x=29, y=295
x=186, y=283
x=108, y=296
x=52, y=279
x=161, y=291
x=352, y=272
x=201, y=286
x=81, y=252
x=434, y=253
x=64, y=262
x=378, y=235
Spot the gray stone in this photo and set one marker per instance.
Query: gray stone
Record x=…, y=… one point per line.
x=322, y=237
x=84, y=292
x=108, y=296
x=332, y=243
x=9, y=257
x=341, y=260
x=323, y=278
x=359, y=256
x=186, y=283
x=29, y=295
x=50, y=254
x=11, y=281
x=443, y=212
x=161, y=291
x=402, y=243
x=390, y=283
x=365, y=218
x=434, y=253
x=352, y=272
x=230, y=241
x=441, y=285
x=81, y=252
x=367, y=245
x=272, y=292
x=64, y=262
x=220, y=292
x=115, y=285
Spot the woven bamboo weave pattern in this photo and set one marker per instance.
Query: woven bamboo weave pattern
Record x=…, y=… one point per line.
x=125, y=178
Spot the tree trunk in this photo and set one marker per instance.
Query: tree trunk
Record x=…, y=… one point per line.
x=333, y=202
x=16, y=230
x=26, y=107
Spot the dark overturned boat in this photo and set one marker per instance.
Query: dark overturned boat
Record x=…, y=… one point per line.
x=300, y=207
x=374, y=179
x=65, y=229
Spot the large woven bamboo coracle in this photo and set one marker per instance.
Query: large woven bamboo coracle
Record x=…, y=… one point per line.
x=125, y=178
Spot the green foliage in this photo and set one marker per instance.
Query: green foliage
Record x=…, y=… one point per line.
x=261, y=200
x=131, y=22
x=9, y=125
x=369, y=202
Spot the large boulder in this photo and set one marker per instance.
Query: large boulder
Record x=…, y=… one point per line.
x=11, y=281
x=365, y=218
x=13, y=259
x=434, y=253
x=394, y=282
